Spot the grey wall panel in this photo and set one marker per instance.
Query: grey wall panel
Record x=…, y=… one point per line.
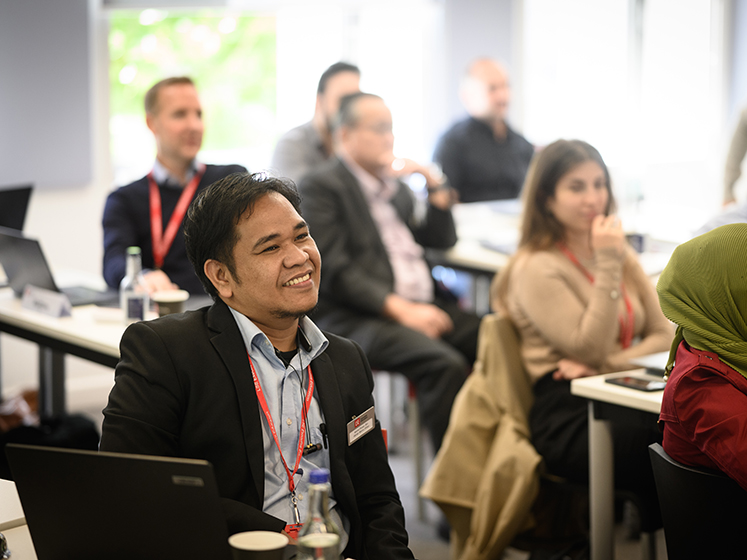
x=45, y=92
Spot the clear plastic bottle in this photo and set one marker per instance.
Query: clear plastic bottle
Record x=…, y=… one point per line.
x=319, y=538
x=133, y=293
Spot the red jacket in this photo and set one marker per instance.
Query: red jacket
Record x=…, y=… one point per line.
x=704, y=411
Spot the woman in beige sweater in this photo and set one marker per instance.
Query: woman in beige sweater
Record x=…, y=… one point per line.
x=582, y=306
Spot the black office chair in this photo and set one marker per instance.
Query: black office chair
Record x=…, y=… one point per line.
x=704, y=511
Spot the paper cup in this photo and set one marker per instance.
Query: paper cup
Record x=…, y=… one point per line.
x=170, y=301
x=258, y=545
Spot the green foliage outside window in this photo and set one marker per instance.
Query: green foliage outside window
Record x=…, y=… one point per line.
x=230, y=57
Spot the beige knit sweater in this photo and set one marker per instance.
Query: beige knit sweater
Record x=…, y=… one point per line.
x=560, y=314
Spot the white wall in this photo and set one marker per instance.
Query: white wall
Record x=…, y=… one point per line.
x=67, y=219
x=56, y=116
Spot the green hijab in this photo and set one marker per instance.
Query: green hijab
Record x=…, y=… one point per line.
x=703, y=290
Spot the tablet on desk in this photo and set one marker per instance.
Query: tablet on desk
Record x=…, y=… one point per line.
x=639, y=383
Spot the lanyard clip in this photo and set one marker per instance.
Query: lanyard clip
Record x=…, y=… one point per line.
x=323, y=429
x=294, y=502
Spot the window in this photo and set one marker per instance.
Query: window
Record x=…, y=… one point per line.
x=641, y=81
x=231, y=57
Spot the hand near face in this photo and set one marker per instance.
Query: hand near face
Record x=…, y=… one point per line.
x=440, y=194
x=571, y=369
x=401, y=167
x=607, y=232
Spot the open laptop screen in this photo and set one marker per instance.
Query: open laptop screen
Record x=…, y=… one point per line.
x=88, y=505
x=24, y=263
x=14, y=203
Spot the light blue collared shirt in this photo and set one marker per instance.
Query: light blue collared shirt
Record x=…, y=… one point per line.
x=284, y=393
x=164, y=177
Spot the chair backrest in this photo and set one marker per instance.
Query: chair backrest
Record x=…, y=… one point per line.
x=499, y=360
x=704, y=512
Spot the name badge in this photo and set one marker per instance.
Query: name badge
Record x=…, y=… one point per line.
x=54, y=304
x=361, y=425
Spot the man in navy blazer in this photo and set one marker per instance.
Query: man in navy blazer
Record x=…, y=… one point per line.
x=174, y=115
x=240, y=383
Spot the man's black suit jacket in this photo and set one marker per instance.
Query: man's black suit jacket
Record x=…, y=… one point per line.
x=126, y=223
x=184, y=389
x=357, y=274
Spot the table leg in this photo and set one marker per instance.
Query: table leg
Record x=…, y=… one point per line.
x=51, y=382
x=601, y=487
x=481, y=296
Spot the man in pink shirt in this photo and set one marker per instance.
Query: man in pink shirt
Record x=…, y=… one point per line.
x=377, y=288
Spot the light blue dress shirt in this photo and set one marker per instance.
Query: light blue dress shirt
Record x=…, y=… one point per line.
x=284, y=394
x=164, y=177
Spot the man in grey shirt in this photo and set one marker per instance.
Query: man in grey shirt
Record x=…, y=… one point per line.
x=302, y=148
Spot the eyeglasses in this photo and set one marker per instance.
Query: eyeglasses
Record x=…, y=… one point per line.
x=380, y=129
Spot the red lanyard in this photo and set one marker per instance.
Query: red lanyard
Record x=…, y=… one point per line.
x=162, y=242
x=627, y=320
x=302, y=432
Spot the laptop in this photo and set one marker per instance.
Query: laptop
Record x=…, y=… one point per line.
x=85, y=505
x=14, y=203
x=24, y=263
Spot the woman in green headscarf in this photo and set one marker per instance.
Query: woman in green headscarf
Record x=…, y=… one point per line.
x=704, y=410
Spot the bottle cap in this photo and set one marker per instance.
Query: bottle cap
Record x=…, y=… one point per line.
x=133, y=250
x=319, y=476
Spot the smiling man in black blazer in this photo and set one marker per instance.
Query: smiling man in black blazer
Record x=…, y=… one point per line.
x=240, y=383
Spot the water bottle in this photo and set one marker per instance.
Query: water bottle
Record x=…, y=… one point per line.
x=133, y=293
x=319, y=538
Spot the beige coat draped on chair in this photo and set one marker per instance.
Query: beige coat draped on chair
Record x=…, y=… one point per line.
x=486, y=475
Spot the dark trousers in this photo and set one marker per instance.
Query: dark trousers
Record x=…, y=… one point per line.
x=437, y=368
x=560, y=433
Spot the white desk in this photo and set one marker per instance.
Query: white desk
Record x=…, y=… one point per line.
x=82, y=335
x=20, y=544
x=601, y=455
x=11, y=512
x=484, y=223
x=479, y=224
x=13, y=523
x=92, y=333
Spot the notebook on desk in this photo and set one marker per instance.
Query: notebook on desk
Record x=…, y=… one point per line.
x=85, y=505
x=24, y=263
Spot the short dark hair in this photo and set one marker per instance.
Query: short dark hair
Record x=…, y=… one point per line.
x=212, y=218
x=347, y=115
x=151, y=96
x=336, y=68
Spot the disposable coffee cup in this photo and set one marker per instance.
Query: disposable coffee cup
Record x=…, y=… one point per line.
x=258, y=545
x=170, y=301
